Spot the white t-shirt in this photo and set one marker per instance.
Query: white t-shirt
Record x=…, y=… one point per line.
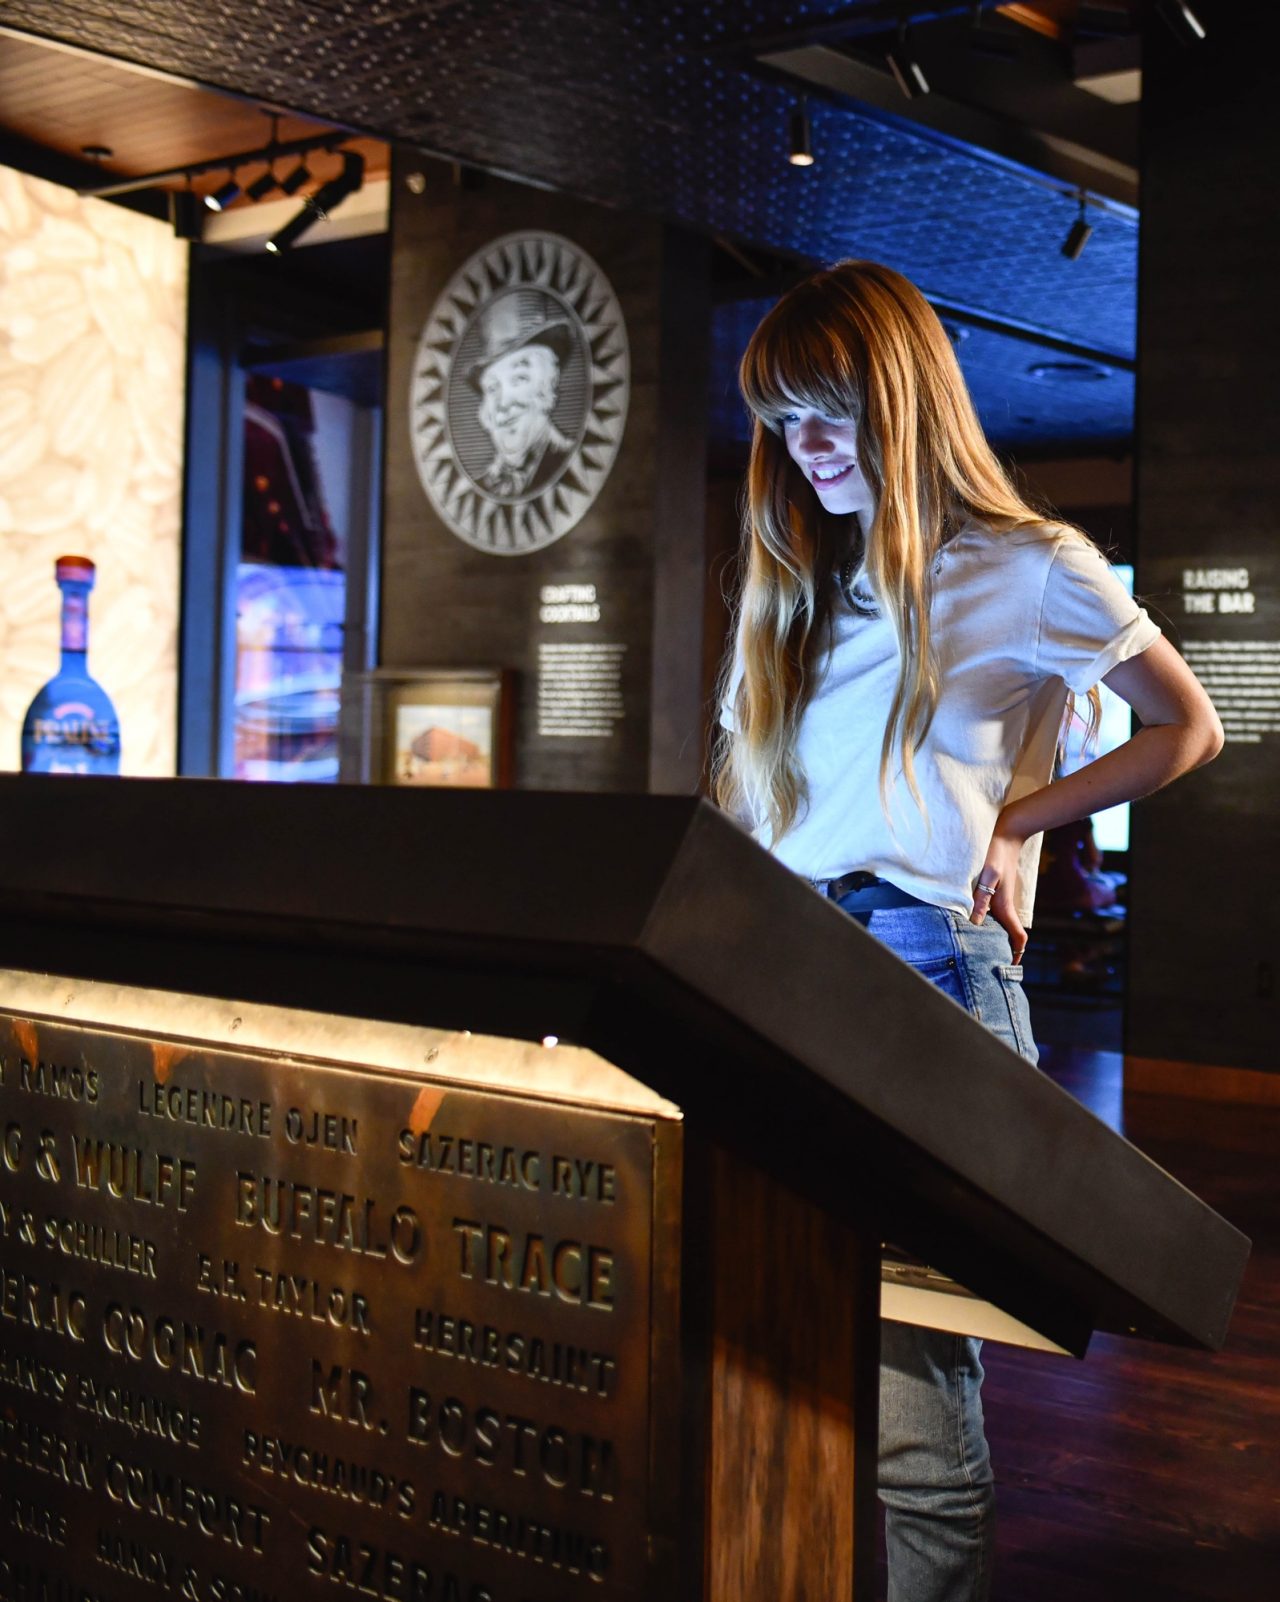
x=1017, y=620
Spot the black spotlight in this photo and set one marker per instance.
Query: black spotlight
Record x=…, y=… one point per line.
x=801, y=151
x=260, y=188
x=222, y=197
x=292, y=231
x=185, y=214
x=331, y=195
x=293, y=181
x=1182, y=20
x=906, y=69
x=318, y=206
x=1077, y=235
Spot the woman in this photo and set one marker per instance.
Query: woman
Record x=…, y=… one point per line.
x=911, y=635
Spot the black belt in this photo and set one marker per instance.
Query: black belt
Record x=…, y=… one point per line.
x=871, y=893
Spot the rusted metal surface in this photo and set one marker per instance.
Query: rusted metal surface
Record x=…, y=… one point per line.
x=271, y=1328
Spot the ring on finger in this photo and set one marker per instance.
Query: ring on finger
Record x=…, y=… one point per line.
x=985, y=889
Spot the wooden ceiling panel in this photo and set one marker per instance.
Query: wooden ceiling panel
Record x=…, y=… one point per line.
x=64, y=100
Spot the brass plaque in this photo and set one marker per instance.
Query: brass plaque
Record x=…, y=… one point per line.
x=277, y=1330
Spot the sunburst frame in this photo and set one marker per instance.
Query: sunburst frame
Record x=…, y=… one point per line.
x=562, y=270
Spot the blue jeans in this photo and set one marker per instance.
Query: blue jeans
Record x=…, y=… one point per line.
x=935, y=1469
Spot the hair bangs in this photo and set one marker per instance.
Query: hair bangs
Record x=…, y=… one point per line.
x=801, y=355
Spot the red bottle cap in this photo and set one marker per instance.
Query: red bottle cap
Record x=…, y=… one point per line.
x=74, y=567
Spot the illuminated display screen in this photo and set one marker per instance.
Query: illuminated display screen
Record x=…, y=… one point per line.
x=1110, y=828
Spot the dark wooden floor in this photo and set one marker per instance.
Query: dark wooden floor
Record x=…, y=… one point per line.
x=1146, y=1472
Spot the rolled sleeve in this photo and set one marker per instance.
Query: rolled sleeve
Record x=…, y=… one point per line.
x=1088, y=620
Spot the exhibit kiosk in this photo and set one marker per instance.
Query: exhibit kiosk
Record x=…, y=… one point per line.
x=480, y=1197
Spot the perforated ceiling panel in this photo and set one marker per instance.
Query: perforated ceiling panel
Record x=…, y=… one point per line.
x=654, y=107
x=1029, y=398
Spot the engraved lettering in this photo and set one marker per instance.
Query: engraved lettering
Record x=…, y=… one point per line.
x=161, y=1494
x=327, y=1217
x=150, y=1564
x=330, y=1131
x=131, y=1173
x=563, y=1459
x=11, y=1150
x=440, y=1153
x=47, y=1165
x=219, y=1279
x=95, y=1243
x=205, y=1109
x=137, y=1412
x=224, y=1590
x=549, y=1545
x=584, y=1180
x=61, y=1457
x=43, y=1305
x=556, y=1363
x=345, y=1396
x=570, y=1270
x=62, y=1081
x=374, y=1571
x=340, y=1477
x=188, y=1350
x=44, y=1523
x=319, y=1302
x=32, y=1376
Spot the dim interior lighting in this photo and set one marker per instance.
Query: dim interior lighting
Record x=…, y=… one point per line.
x=1077, y=235
x=550, y=1040
x=801, y=151
x=1182, y=20
x=222, y=197
x=315, y=208
x=905, y=68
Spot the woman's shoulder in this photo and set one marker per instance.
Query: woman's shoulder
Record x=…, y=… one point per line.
x=1015, y=556
x=1044, y=536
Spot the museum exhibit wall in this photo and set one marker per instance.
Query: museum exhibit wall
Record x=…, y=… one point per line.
x=579, y=572
x=1205, y=880
x=92, y=378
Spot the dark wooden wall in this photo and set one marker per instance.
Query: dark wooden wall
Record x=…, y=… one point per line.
x=641, y=543
x=1206, y=854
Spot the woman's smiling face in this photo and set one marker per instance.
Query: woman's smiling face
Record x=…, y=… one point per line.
x=826, y=451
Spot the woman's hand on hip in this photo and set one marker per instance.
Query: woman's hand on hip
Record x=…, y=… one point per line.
x=996, y=885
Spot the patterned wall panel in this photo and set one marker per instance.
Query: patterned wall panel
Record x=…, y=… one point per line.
x=92, y=373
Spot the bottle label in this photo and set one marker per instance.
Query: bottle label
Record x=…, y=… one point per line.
x=71, y=737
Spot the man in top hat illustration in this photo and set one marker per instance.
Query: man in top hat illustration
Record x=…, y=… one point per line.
x=517, y=379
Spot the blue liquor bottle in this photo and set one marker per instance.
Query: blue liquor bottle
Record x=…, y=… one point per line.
x=71, y=726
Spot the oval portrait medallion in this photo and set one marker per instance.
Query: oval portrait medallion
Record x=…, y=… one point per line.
x=519, y=393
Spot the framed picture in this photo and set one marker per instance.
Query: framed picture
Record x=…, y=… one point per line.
x=445, y=727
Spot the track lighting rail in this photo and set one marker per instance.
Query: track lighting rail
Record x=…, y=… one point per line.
x=192, y=169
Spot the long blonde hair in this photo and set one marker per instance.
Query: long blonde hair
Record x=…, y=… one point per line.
x=854, y=341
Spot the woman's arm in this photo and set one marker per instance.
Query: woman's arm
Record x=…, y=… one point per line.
x=1180, y=731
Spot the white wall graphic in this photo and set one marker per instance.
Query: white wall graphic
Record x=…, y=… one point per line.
x=519, y=394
